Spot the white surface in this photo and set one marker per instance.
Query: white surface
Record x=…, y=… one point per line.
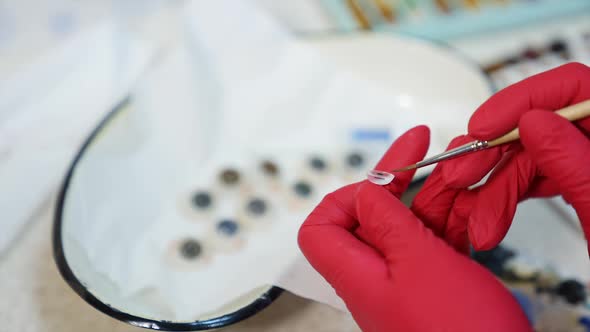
x=301, y=279
x=30, y=28
x=46, y=114
x=302, y=16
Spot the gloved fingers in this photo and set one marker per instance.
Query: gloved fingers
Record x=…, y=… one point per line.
x=426, y=276
x=455, y=233
x=331, y=238
x=456, y=236
x=408, y=149
x=467, y=170
x=327, y=241
x=542, y=187
x=496, y=202
x=434, y=201
x=550, y=90
x=390, y=226
x=562, y=153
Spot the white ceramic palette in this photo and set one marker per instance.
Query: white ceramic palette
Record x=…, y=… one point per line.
x=171, y=216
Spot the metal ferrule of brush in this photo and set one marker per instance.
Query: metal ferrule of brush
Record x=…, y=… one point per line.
x=456, y=152
x=479, y=145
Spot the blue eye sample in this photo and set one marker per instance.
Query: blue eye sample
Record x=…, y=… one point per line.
x=191, y=249
x=355, y=160
x=227, y=227
x=302, y=188
x=202, y=200
x=256, y=206
x=317, y=164
x=229, y=177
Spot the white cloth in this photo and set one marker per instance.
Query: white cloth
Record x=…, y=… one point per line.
x=48, y=109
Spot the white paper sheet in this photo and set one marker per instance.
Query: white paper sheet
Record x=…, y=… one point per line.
x=138, y=199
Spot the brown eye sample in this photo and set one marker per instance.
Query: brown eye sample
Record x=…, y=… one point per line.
x=229, y=177
x=269, y=168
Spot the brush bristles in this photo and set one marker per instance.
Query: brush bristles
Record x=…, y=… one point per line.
x=407, y=168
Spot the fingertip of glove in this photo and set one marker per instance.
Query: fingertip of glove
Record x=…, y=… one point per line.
x=420, y=130
x=479, y=236
x=419, y=138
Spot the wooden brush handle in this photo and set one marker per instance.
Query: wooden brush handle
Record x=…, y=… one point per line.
x=572, y=113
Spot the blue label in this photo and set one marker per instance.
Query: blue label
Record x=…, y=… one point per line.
x=370, y=134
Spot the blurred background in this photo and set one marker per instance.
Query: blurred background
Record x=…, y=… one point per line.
x=64, y=65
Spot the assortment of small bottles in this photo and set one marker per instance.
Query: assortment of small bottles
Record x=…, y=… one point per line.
x=445, y=19
x=368, y=13
x=533, y=60
x=552, y=303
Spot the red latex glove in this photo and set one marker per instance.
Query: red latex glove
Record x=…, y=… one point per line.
x=552, y=157
x=392, y=272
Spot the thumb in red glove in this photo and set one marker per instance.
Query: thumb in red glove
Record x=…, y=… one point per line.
x=392, y=272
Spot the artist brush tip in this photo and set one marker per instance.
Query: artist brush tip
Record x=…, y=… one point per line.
x=407, y=168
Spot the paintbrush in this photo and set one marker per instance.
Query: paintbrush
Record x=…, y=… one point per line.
x=572, y=113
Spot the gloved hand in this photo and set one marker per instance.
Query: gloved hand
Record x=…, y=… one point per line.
x=392, y=272
x=552, y=157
